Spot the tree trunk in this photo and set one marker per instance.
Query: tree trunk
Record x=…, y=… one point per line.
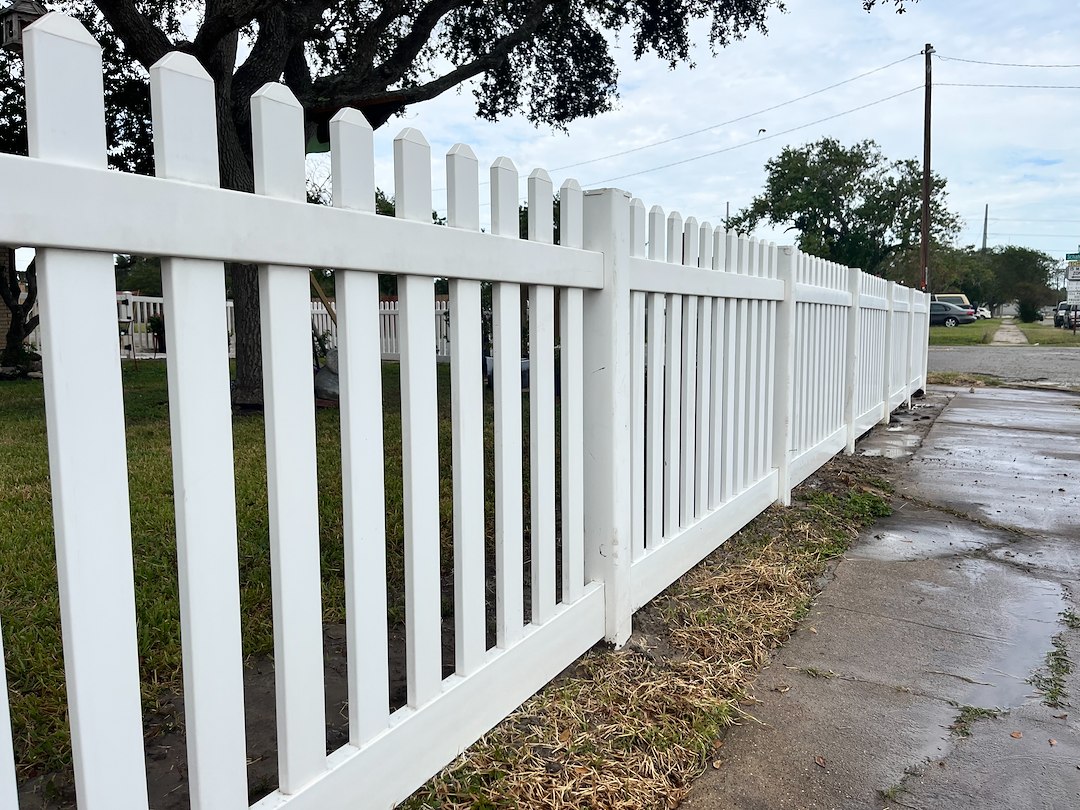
x=234, y=155
x=14, y=354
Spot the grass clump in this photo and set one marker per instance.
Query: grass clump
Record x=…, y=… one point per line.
x=961, y=378
x=967, y=717
x=1050, y=681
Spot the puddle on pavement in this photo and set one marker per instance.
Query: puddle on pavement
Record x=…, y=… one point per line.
x=1034, y=606
x=913, y=533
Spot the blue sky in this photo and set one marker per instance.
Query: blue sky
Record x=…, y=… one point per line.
x=1011, y=148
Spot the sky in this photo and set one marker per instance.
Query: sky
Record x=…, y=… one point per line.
x=1010, y=148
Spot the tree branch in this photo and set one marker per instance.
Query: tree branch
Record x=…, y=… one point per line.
x=223, y=17
x=378, y=104
x=141, y=37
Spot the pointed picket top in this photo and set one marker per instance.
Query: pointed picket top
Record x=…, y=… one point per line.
x=753, y=255
x=462, y=188
x=504, y=198
x=352, y=161
x=571, y=214
x=674, y=237
x=185, y=120
x=690, y=243
x=763, y=258
x=742, y=265
x=541, y=216
x=774, y=258
x=60, y=25
x=65, y=92
x=277, y=140
x=705, y=246
x=657, y=230
x=638, y=230
x=412, y=176
x=719, y=250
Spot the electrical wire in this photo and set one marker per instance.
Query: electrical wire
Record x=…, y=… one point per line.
x=999, y=64
x=755, y=141
x=1018, y=86
x=734, y=120
x=728, y=122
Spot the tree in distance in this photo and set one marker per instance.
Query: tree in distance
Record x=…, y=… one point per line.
x=550, y=60
x=851, y=205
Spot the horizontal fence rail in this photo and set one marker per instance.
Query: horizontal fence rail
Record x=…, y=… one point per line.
x=680, y=378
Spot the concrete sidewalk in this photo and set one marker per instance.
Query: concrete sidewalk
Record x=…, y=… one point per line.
x=950, y=606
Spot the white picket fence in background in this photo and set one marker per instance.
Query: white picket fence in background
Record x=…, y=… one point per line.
x=702, y=376
x=134, y=313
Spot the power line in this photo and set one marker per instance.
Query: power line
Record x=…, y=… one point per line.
x=756, y=140
x=1018, y=86
x=733, y=120
x=730, y=121
x=1001, y=64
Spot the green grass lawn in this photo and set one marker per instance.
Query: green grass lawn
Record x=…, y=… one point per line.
x=1046, y=334
x=967, y=334
x=29, y=607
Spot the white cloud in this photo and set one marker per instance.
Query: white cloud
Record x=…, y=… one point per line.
x=988, y=142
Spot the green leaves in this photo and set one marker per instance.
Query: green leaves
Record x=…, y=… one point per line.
x=848, y=204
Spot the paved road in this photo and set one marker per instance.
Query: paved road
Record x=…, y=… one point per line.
x=1039, y=365
x=953, y=601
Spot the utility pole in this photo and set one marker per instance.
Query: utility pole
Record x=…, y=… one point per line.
x=925, y=251
x=986, y=222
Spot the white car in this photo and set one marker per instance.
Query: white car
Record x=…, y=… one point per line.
x=982, y=312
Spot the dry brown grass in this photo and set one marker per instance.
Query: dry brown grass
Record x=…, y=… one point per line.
x=631, y=728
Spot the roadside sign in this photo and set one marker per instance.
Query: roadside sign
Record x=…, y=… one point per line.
x=1073, y=272
x=1072, y=257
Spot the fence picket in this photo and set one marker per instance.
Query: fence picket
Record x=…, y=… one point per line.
x=84, y=412
x=291, y=470
x=571, y=227
x=542, y=409
x=638, y=347
x=419, y=435
x=185, y=148
x=672, y=414
x=467, y=425
x=506, y=329
x=703, y=408
x=361, y=414
x=9, y=788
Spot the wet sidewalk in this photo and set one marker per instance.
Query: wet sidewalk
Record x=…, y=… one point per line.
x=934, y=671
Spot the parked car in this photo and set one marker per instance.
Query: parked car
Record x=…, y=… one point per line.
x=953, y=298
x=942, y=314
x=982, y=312
x=1072, y=317
x=1059, y=313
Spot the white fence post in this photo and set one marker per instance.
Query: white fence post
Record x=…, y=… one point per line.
x=909, y=350
x=887, y=353
x=84, y=411
x=607, y=409
x=785, y=366
x=851, y=368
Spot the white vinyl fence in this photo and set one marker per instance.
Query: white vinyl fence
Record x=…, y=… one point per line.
x=702, y=375
x=135, y=311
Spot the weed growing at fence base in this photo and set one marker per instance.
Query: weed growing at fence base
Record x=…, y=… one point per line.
x=631, y=728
